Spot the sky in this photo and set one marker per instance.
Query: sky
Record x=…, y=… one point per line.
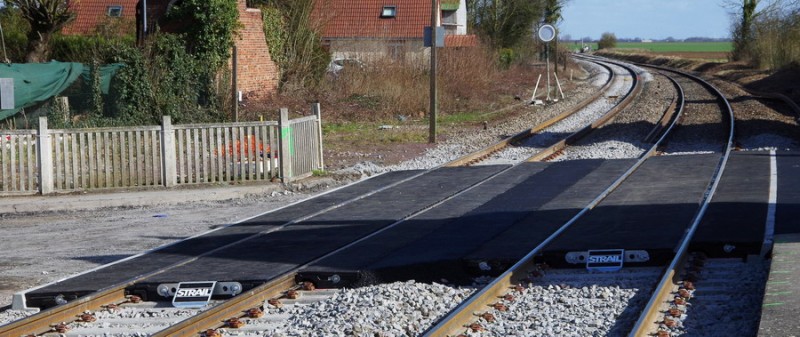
x=646, y=19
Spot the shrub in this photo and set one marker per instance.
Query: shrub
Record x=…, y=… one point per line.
x=15, y=32
x=775, y=37
x=506, y=56
x=607, y=41
x=88, y=49
x=295, y=44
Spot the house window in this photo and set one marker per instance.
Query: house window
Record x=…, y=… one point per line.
x=389, y=12
x=449, y=18
x=114, y=11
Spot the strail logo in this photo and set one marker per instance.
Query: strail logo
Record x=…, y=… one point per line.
x=605, y=259
x=193, y=292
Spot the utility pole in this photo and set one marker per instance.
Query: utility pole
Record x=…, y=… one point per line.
x=434, y=108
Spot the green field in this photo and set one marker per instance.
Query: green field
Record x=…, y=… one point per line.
x=701, y=47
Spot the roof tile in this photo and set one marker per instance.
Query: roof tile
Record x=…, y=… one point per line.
x=91, y=13
x=362, y=19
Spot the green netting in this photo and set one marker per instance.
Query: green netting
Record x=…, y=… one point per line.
x=449, y=5
x=37, y=82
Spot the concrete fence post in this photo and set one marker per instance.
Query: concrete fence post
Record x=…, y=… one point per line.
x=318, y=112
x=285, y=140
x=169, y=172
x=44, y=151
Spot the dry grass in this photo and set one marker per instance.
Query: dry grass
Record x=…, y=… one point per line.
x=386, y=89
x=390, y=88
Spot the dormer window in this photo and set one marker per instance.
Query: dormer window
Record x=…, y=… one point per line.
x=389, y=12
x=114, y=11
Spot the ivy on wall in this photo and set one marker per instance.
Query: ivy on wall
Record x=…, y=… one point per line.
x=275, y=32
x=209, y=27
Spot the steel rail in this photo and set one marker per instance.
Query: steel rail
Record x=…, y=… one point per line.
x=630, y=96
x=667, y=116
x=487, y=151
x=43, y=321
x=455, y=321
x=644, y=325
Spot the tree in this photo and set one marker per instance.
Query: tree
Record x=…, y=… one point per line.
x=747, y=13
x=504, y=23
x=45, y=17
x=607, y=40
x=293, y=33
x=552, y=11
x=742, y=37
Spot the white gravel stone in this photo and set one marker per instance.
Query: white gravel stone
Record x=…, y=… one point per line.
x=574, y=303
x=396, y=309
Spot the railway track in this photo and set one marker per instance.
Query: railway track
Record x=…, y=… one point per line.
x=478, y=315
x=545, y=139
x=261, y=296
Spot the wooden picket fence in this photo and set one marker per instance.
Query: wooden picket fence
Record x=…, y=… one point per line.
x=48, y=160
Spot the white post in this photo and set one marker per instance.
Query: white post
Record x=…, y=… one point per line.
x=318, y=112
x=285, y=140
x=44, y=151
x=558, y=83
x=547, y=56
x=169, y=172
x=533, y=97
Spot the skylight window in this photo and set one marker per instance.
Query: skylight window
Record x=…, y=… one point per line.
x=114, y=11
x=389, y=12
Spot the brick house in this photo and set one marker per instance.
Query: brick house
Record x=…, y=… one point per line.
x=257, y=75
x=365, y=29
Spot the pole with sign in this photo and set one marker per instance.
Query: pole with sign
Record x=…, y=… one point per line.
x=546, y=34
x=434, y=95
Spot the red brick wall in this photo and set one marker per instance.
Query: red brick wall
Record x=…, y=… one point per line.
x=257, y=75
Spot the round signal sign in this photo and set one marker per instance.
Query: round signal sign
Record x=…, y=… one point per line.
x=547, y=33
